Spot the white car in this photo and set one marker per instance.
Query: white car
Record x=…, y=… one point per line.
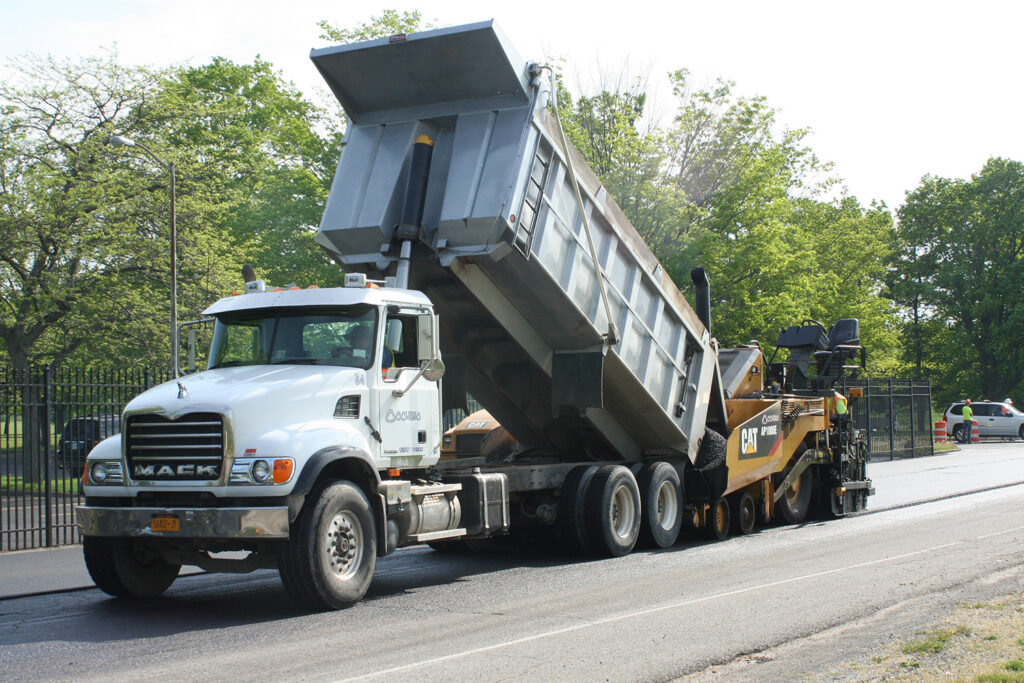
x=994, y=419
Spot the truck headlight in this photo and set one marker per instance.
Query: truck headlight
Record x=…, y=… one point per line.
x=104, y=472
x=260, y=471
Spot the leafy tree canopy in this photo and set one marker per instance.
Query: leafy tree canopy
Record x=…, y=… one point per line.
x=960, y=272
x=723, y=188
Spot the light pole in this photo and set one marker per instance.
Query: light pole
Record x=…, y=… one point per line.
x=121, y=141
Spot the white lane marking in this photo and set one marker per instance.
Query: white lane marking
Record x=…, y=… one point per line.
x=1000, y=533
x=644, y=612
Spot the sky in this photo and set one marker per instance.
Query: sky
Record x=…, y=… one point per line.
x=890, y=90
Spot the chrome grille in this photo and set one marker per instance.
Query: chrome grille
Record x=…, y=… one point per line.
x=189, y=448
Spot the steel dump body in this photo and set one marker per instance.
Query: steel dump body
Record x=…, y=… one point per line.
x=503, y=254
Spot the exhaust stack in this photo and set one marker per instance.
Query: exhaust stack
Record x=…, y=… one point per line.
x=700, y=281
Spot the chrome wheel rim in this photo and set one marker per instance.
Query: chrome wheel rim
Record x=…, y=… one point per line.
x=667, y=505
x=623, y=512
x=344, y=545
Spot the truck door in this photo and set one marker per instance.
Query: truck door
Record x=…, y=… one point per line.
x=410, y=424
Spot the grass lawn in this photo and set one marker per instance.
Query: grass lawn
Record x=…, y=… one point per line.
x=13, y=484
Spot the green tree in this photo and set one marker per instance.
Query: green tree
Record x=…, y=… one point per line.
x=65, y=245
x=257, y=161
x=389, y=23
x=723, y=188
x=961, y=244
x=624, y=148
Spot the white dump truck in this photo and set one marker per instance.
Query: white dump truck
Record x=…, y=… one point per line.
x=482, y=256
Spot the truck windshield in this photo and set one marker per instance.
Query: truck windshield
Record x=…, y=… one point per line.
x=341, y=335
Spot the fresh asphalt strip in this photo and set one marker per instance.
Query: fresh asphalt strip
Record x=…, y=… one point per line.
x=888, y=508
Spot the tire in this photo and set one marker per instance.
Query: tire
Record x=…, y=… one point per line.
x=711, y=454
x=743, y=511
x=611, y=512
x=128, y=568
x=958, y=432
x=570, y=508
x=1020, y=432
x=662, y=504
x=716, y=523
x=328, y=562
x=793, y=506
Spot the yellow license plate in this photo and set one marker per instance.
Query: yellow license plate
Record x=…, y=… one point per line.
x=169, y=524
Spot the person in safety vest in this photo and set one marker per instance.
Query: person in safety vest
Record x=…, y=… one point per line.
x=968, y=414
x=835, y=406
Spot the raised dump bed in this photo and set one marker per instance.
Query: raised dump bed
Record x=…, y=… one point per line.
x=503, y=253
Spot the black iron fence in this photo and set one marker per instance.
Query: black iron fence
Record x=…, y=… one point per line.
x=49, y=419
x=896, y=414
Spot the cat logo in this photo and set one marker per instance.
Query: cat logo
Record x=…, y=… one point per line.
x=748, y=441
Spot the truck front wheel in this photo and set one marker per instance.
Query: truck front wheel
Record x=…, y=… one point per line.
x=128, y=568
x=328, y=563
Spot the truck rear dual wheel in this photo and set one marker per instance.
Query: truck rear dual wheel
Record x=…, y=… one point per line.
x=611, y=510
x=662, y=505
x=599, y=510
x=128, y=568
x=329, y=560
x=570, y=508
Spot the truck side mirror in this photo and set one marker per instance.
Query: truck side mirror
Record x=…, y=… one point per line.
x=433, y=369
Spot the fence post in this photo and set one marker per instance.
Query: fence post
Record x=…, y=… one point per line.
x=47, y=486
x=913, y=409
x=892, y=423
x=931, y=442
x=867, y=410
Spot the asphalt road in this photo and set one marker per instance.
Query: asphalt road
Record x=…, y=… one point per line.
x=784, y=603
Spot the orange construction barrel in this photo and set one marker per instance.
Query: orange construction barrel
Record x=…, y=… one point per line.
x=940, y=431
x=975, y=437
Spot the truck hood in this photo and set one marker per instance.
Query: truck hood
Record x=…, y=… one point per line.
x=256, y=398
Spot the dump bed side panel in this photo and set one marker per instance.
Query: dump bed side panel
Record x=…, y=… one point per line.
x=504, y=257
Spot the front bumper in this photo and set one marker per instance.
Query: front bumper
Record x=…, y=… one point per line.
x=264, y=522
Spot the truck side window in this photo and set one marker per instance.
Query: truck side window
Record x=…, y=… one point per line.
x=400, y=342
